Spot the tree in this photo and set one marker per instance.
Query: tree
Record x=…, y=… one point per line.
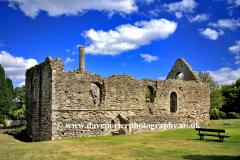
x=232, y=95
x=6, y=94
x=206, y=78
x=18, y=110
x=3, y=107
x=217, y=99
x=216, y=96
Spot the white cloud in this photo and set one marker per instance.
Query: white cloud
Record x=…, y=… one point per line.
x=67, y=50
x=147, y=1
x=15, y=67
x=20, y=84
x=124, y=64
x=211, y=33
x=199, y=18
x=225, y=75
x=237, y=62
x=69, y=60
x=237, y=57
x=178, y=15
x=226, y=23
x=148, y=57
x=162, y=78
x=235, y=49
x=185, y=6
x=54, y=8
x=128, y=37
x=2, y=45
x=236, y=2
x=74, y=53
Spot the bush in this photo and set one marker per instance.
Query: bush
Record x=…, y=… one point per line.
x=222, y=114
x=214, y=113
x=233, y=115
x=14, y=131
x=5, y=122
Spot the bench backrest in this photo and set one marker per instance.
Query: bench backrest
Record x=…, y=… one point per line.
x=210, y=130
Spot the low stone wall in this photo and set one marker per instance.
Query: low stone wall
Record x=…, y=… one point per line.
x=11, y=123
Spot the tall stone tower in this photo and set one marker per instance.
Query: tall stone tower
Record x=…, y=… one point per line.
x=81, y=59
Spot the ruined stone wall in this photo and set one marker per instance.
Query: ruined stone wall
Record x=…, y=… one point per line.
x=38, y=98
x=74, y=97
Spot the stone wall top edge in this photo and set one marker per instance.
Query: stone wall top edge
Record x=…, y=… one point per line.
x=48, y=60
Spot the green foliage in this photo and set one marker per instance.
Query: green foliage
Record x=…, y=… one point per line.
x=206, y=78
x=14, y=131
x=5, y=122
x=214, y=113
x=232, y=97
x=222, y=114
x=217, y=99
x=216, y=96
x=233, y=115
x=18, y=110
x=6, y=94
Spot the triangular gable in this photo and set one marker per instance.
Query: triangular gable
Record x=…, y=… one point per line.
x=181, y=66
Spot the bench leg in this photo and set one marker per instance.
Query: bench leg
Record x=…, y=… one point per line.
x=201, y=137
x=221, y=139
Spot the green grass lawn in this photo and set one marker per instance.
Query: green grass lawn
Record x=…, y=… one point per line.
x=172, y=144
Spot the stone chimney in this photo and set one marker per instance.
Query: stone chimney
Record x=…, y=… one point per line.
x=81, y=59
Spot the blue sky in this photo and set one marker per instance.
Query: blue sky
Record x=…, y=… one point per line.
x=142, y=38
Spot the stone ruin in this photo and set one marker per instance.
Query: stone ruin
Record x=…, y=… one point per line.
x=55, y=98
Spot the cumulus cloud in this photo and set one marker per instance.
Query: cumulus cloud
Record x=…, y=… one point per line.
x=162, y=78
x=237, y=57
x=15, y=67
x=128, y=37
x=54, y=8
x=67, y=50
x=69, y=60
x=148, y=57
x=147, y=1
x=178, y=15
x=184, y=6
x=236, y=2
x=237, y=62
x=199, y=18
x=211, y=33
x=225, y=75
x=235, y=49
x=20, y=84
x=226, y=23
x=154, y=12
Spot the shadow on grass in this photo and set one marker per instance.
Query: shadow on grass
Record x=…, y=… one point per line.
x=206, y=140
x=22, y=136
x=211, y=157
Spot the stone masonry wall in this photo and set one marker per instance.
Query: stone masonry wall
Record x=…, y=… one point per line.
x=74, y=97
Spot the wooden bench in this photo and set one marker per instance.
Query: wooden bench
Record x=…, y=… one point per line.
x=211, y=130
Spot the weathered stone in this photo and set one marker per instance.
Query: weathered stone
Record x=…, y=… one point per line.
x=55, y=98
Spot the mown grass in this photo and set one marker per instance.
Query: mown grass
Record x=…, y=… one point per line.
x=172, y=144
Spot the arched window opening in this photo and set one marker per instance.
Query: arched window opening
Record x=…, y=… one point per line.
x=96, y=93
x=149, y=94
x=180, y=76
x=173, y=102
